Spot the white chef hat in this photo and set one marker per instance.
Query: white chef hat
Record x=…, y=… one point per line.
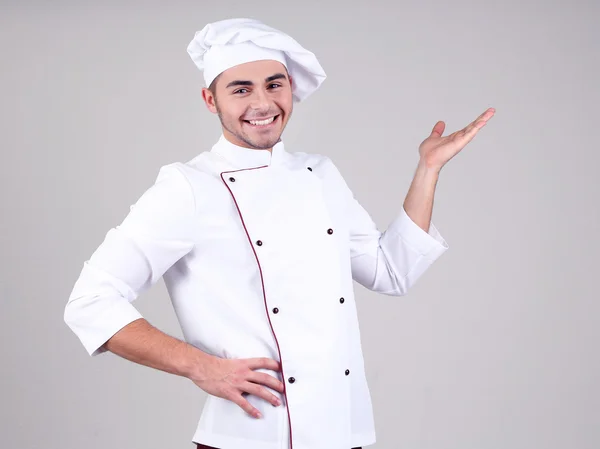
x=227, y=43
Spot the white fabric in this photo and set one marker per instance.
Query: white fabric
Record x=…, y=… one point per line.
x=224, y=44
x=223, y=57
x=187, y=229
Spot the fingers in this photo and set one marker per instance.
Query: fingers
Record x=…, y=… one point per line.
x=471, y=129
x=264, y=363
x=480, y=121
x=261, y=392
x=238, y=399
x=486, y=115
x=237, y=396
x=266, y=379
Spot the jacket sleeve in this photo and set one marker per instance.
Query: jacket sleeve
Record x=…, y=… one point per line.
x=157, y=231
x=388, y=262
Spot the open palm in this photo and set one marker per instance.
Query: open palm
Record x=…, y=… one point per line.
x=436, y=150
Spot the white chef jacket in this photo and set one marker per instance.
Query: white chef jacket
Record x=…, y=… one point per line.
x=258, y=252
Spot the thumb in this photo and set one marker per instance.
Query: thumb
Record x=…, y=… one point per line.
x=438, y=129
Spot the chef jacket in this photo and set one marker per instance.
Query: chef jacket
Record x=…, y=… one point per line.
x=258, y=251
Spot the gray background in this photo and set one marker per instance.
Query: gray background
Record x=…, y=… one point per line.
x=495, y=347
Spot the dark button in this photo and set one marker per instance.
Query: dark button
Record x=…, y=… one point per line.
x=342, y=300
x=232, y=179
x=309, y=168
x=275, y=310
x=330, y=231
x=291, y=380
x=259, y=242
x=347, y=372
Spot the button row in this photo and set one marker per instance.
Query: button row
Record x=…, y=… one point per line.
x=276, y=309
x=293, y=379
x=232, y=179
x=260, y=243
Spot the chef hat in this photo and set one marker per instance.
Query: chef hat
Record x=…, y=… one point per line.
x=227, y=43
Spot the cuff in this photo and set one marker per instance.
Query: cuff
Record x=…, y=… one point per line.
x=430, y=244
x=107, y=325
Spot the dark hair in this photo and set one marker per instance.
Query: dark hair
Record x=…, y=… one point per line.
x=213, y=86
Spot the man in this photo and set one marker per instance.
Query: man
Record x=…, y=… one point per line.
x=258, y=248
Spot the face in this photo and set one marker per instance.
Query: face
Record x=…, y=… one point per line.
x=254, y=103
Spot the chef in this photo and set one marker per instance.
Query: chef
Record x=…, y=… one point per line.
x=258, y=246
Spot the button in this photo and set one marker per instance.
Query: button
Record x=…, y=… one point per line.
x=347, y=372
x=330, y=231
x=291, y=380
x=342, y=300
x=275, y=310
x=232, y=179
x=309, y=168
x=259, y=242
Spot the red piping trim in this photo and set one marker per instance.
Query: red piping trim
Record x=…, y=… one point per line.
x=264, y=293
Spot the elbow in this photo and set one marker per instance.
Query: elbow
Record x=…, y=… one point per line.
x=398, y=288
x=74, y=310
x=73, y=316
x=78, y=316
x=69, y=315
x=393, y=283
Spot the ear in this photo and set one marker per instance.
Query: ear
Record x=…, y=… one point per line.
x=209, y=100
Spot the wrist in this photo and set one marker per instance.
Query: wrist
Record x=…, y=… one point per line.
x=198, y=364
x=193, y=363
x=427, y=173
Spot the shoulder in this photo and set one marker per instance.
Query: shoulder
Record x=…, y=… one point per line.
x=325, y=168
x=320, y=164
x=170, y=196
x=197, y=180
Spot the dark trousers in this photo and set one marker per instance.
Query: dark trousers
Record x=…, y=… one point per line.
x=202, y=446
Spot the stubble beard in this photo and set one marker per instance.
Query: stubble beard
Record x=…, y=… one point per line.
x=244, y=138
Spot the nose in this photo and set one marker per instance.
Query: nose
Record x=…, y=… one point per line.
x=260, y=100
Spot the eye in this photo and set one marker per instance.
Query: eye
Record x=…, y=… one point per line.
x=239, y=91
x=275, y=84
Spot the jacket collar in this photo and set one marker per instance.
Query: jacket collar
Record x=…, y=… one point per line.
x=242, y=157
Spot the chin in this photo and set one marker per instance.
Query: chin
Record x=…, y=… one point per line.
x=262, y=142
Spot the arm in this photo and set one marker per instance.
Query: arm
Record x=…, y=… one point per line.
x=142, y=343
x=418, y=203
x=390, y=262
x=157, y=232
x=434, y=153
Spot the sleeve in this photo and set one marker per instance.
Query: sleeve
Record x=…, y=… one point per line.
x=158, y=231
x=388, y=262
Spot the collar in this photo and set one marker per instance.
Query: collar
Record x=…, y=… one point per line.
x=242, y=157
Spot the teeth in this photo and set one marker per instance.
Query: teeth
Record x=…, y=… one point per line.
x=262, y=122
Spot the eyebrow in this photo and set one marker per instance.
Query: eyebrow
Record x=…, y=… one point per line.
x=234, y=83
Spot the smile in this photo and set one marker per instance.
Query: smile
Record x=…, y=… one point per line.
x=262, y=123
